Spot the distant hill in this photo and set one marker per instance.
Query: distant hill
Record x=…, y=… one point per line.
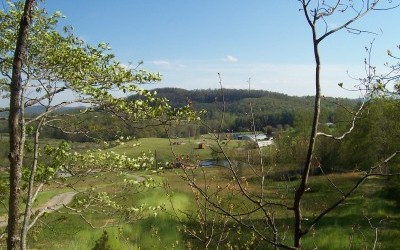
x=177, y=95
x=261, y=106
x=38, y=109
x=237, y=100
x=243, y=110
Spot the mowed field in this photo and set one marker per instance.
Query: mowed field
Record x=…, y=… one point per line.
x=167, y=150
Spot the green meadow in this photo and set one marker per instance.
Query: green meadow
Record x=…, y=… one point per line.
x=167, y=150
x=364, y=220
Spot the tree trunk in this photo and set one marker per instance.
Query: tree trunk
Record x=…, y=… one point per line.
x=15, y=131
x=298, y=233
x=31, y=197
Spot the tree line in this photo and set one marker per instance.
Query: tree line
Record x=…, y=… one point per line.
x=270, y=112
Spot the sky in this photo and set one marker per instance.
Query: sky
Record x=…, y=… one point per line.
x=269, y=42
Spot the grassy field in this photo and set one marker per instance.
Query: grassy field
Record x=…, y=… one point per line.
x=352, y=225
x=167, y=150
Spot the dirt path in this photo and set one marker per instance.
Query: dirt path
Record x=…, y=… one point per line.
x=51, y=205
x=57, y=202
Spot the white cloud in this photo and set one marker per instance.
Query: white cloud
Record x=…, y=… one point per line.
x=161, y=63
x=167, y=65
x=230, y=58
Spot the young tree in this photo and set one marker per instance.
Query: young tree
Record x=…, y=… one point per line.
x=51, y=70
x=268, y=204
x=317, y=13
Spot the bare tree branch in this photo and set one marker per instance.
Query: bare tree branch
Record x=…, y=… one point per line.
x=369, y=174
x=352, y=126
x=358, y=16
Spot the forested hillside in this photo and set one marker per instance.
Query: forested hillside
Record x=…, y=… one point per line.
x=265, y=107
x=237, y=100
x=270, y=111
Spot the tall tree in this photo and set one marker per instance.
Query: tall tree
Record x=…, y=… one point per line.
x=16, y=130
x=47, y=65
x=319, y=15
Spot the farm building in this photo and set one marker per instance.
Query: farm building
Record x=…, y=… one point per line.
x=265, y=143
x=250, y=137
x=261, y=139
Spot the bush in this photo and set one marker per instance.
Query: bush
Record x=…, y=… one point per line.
x=102, y=242
x=392, y=189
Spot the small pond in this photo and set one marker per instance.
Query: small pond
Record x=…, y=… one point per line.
x=214, y=163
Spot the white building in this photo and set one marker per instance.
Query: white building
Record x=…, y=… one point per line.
x=261, y=139
x=252, y=137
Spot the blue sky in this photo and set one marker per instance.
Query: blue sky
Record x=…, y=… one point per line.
x=189, y=42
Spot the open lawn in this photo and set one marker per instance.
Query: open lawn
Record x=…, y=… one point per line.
x=166, y=150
